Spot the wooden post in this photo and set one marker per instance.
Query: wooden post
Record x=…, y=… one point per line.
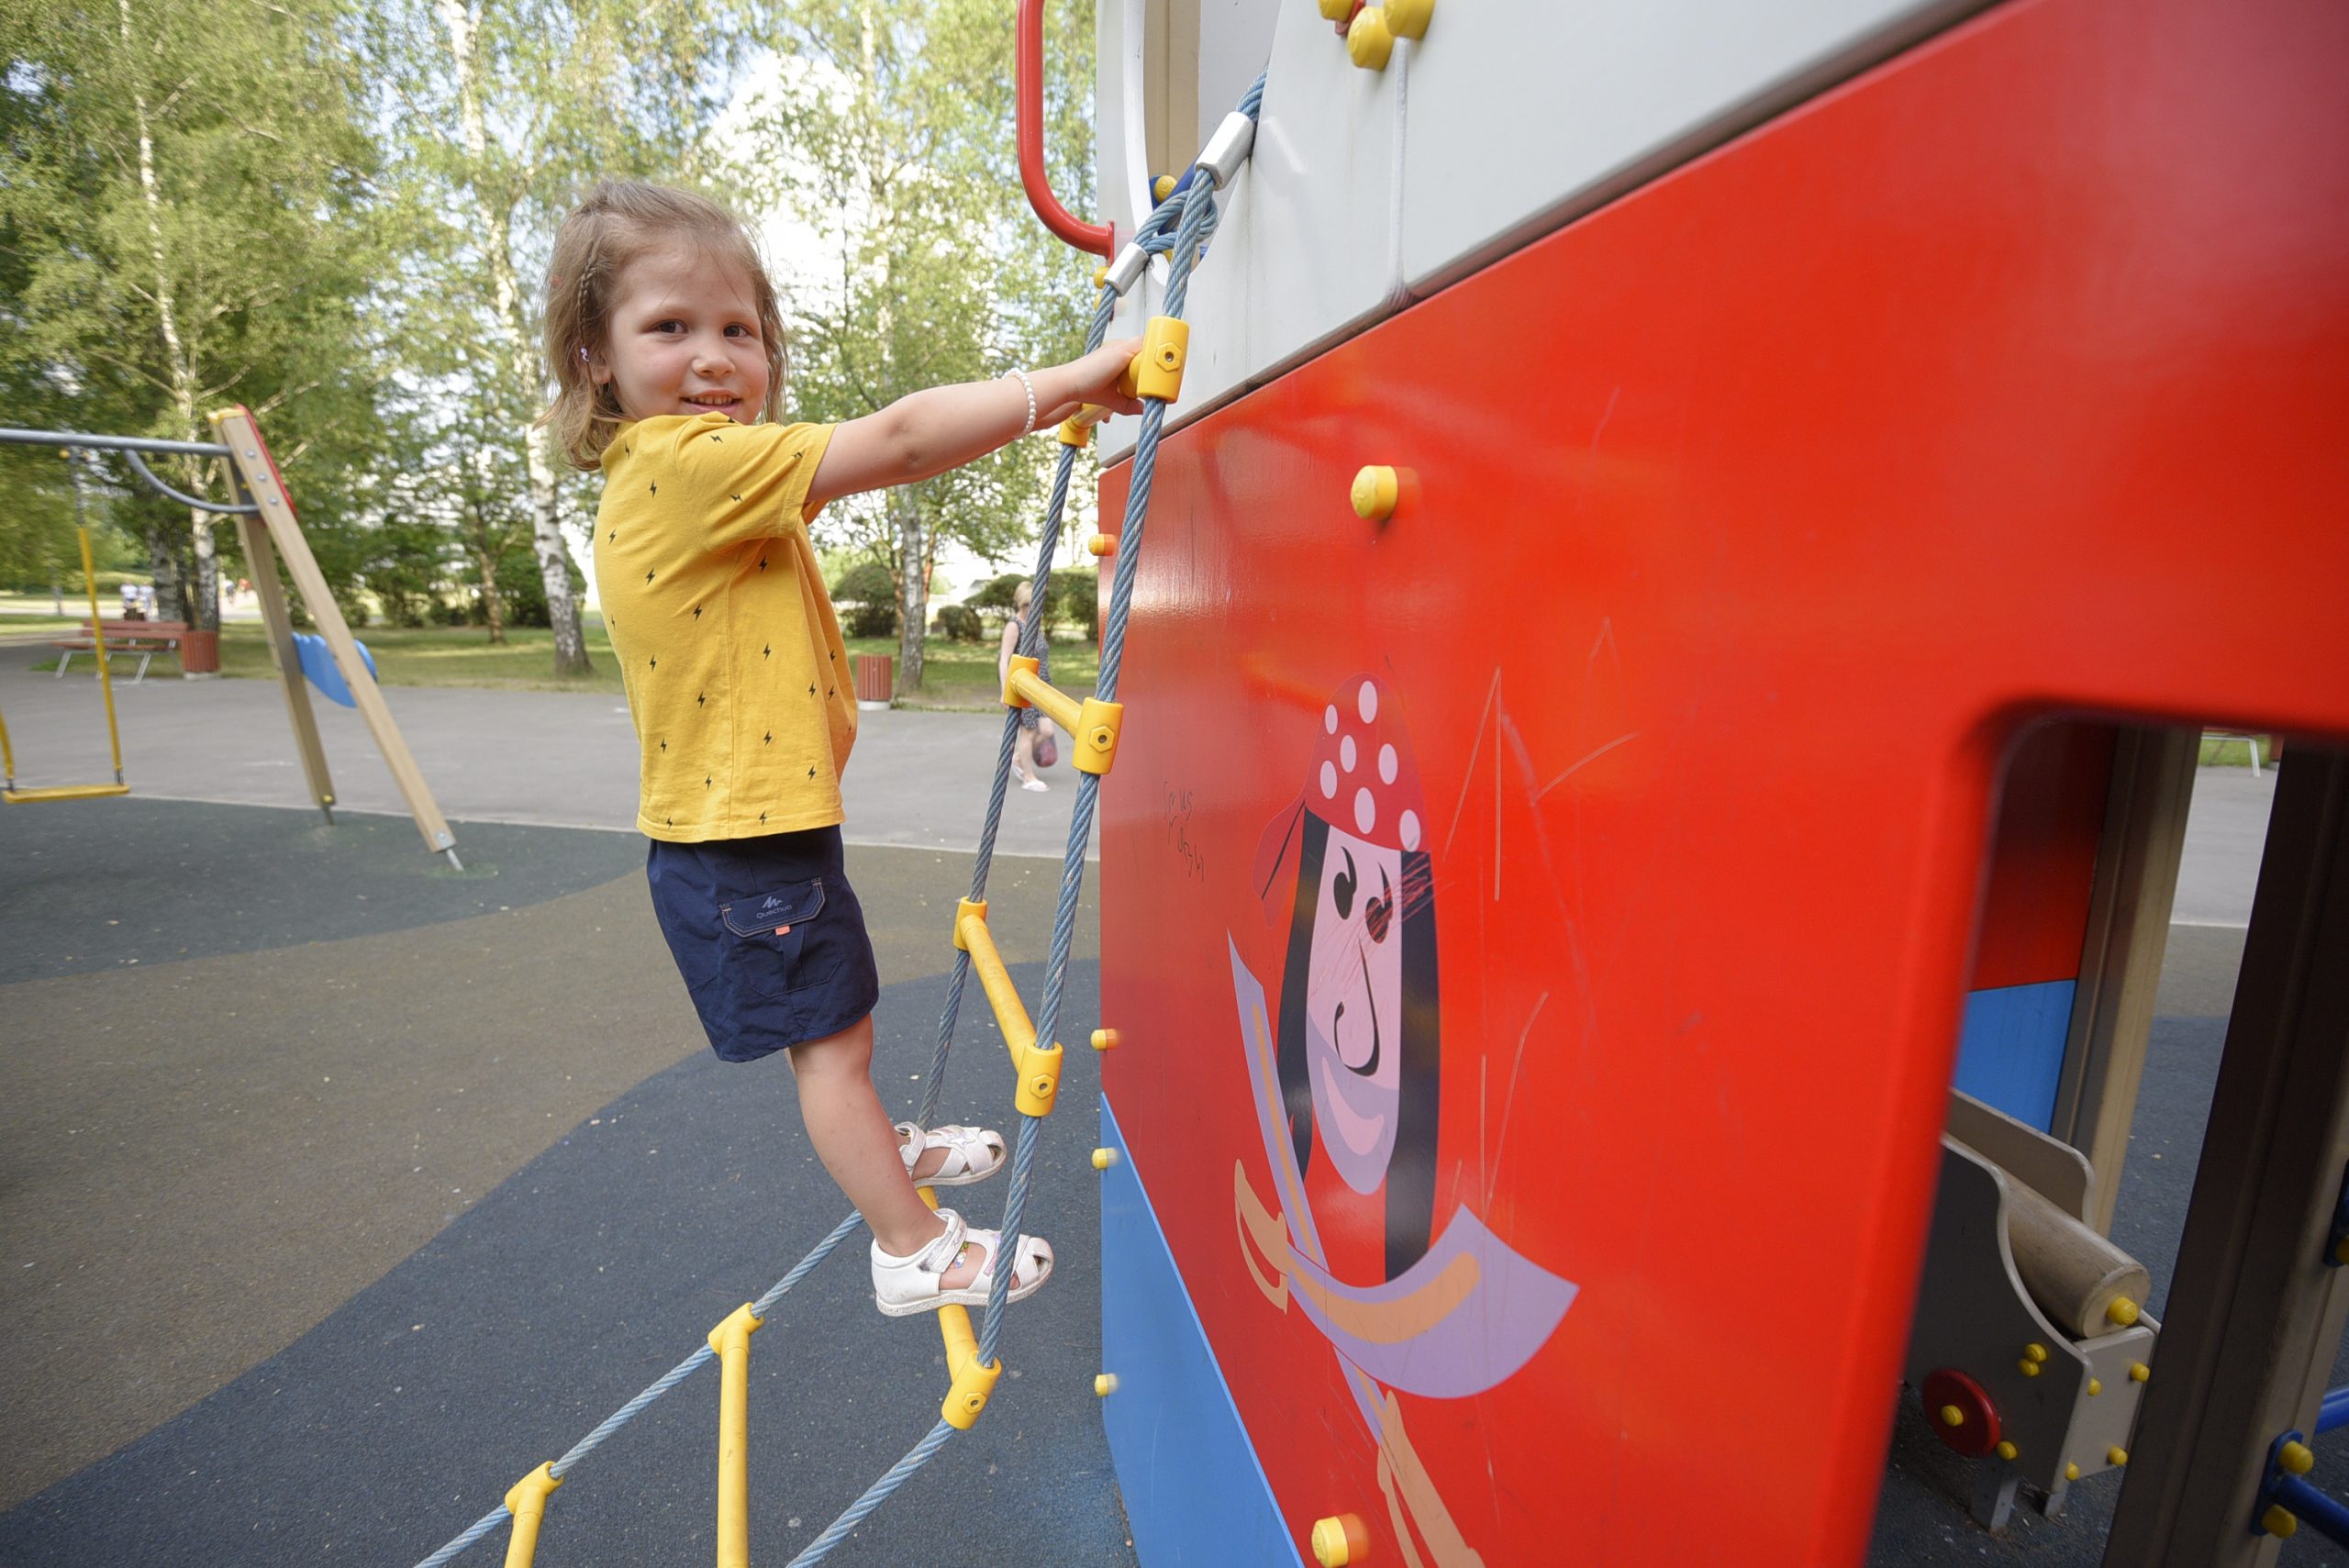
x=253, y=534
x=2120, y=959
x=257, y=473
x=2255, y=1314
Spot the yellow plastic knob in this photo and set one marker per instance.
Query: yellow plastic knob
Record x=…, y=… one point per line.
x=1409, y=19
x=2028, y=1367
x=2071, y=1472
x=1368, y=42
x=1100, y=275
x=2139, y=1372
x=1952, y=1416
x=2116, y=1457
x=1104, y=1158
x=1106, y=1385
x=2122, y=1311
x=2296, y=1458
x=1105, y=1040
x=2007, y=1450
x=1374, y=494
x=2037, y=1352
x=1336, y=10
x=1162, y=187
x=2096, y=1385
x=1339, y=1540
x=2278, y=1522
x=1102, y=544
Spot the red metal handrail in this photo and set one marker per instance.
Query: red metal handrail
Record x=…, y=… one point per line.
x=1093, y=237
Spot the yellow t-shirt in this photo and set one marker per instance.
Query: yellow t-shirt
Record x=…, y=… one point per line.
x=737, y=678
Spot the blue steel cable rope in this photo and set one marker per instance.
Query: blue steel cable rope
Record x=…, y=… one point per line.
x=1194, y=204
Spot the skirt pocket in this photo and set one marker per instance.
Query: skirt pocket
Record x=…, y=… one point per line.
x=773, y=941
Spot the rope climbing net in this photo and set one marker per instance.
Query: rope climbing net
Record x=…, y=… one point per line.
x=1178, y=229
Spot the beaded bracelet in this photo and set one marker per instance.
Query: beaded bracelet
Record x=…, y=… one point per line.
x=1029, y=387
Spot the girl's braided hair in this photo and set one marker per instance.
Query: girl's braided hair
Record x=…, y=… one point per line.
x=620, y=221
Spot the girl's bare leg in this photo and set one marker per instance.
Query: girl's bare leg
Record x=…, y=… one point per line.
x=858, y=1144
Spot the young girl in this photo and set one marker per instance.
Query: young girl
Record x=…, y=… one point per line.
x=1034, y=726
x=666, y=344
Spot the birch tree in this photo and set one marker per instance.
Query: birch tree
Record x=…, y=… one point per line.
x=508, y=111
x=886, y=137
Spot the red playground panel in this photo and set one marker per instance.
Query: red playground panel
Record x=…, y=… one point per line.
x=1537, y=925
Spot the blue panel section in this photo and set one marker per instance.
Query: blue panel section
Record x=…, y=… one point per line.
x=1194, y=1494
x=2011, y=1051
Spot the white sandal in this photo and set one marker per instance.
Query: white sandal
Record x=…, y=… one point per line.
x=905, y=1286
x=964, y=1148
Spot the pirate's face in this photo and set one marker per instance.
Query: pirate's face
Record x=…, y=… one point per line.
x=1353, y=1007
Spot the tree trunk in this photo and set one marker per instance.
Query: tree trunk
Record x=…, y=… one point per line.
x=165, y=566
x=496, y=235
x=203, y=605
x=913, y=586
x=492, y=611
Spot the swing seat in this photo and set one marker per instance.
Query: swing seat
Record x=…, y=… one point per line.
x=62, y=792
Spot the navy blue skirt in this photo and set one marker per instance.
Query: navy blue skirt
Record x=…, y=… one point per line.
x=769, y=936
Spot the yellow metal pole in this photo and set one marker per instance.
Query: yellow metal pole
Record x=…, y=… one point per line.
x=8, y=756
x=98, y=633
x=732, y=1341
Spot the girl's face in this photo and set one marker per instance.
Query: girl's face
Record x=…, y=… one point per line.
x=1354, y=1044
x=683, y=338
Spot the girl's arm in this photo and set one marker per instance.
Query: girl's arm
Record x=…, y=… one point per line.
x=1010, y=630
x=930, y=432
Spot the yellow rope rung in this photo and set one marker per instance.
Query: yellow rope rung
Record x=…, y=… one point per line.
x=1092, y=725
x=1039, y=1066
x=527, y=1501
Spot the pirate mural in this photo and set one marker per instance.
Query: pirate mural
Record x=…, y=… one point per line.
x=1345, y=1069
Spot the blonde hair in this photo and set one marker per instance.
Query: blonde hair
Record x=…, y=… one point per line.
x=620, y=221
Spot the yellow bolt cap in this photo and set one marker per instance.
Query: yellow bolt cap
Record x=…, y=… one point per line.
x=2027, y=1367
x=1162, y=187
x=1339, y=1540
x=2037, y=1352
x=1106, y=1385
x=1368, y=41
x=1952, y=1416
x=2096, y=1385
x=2071, y=1472
x=2296, y=1458
x=2116, y=1457
x=2139, y=1372
x=2122, y=1311
x=1409, y=19
x=2278, y=1522
x=2007, y=1450
x=1375, y=492
x=1104, y=1158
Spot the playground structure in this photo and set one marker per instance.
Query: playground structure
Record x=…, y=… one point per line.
x=1671, y=633
x=269, y=532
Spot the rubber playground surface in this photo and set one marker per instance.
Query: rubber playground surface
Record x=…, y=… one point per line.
x=342, y=1188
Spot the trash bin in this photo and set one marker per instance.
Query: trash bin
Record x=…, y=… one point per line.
x=199, y=653
x=876, y=677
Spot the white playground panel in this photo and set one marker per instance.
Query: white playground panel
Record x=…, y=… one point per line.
x=1369, y=189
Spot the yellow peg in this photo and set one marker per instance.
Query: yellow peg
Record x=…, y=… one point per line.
x=2071, y=1472
x=2139, y=1372
x=1106, y=1385
x=1409, y=19
x=1339, y=1540
x=2122, y=1312
x=2116, y=1456
x=2005, y=1450
x=1105, y=1040
x=1104, y=1158
x=1369, y=42
x=1102, y=544
x=1336, y=10
x=2028, y=1367
x=2296, y=1458
x=1162, y=187
x=1952, y=1416
x=2096, y=1385
x=2278, y=1522
x=1374, y=494
x=2037, y=1352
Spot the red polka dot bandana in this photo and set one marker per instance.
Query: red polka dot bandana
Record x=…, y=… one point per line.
x=1364, y=778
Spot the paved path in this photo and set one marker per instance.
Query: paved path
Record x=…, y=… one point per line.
x=536, y=758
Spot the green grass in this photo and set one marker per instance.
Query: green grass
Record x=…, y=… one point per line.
x=2218, y=753
x=959, y=674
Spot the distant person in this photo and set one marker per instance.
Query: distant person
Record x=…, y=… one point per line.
x=666, y=344
x=1035, y=729
x=132, y=608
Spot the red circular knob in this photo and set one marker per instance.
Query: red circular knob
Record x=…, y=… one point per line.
x=1976, y=1431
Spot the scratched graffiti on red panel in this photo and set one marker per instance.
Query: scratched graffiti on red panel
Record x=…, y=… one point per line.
x=1346, y=1068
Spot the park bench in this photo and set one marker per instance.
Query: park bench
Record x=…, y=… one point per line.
x=144, y=638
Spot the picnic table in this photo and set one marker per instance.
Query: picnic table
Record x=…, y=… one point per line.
x=144, y=638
